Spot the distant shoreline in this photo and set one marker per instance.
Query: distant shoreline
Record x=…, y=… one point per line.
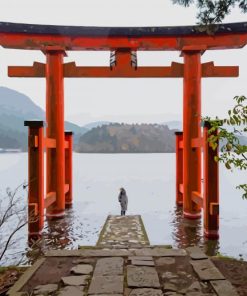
x=15, y=152
x=10, y=150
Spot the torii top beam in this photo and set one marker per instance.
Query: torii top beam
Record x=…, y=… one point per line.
x=49, y=37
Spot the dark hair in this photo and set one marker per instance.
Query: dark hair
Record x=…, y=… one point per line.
x=122, y=190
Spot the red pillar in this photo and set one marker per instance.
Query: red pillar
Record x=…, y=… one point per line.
x=179, y=168
x=35, y=177
x=211, y=187
x=68, y=168
x=55, y=129
x=191, y=129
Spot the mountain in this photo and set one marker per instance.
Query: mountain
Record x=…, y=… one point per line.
x=174, y=124
x=127, y=138
x=91, y=125
x=16, y=107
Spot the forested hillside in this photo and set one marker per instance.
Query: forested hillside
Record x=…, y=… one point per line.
x=128, y=138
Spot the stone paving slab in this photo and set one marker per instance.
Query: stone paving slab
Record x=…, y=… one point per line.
x=71, y=291
x=125, y=231
x=120, y=267
x=106, y=285
x=142, y=262
x=91, y=253
x=45, y=289
x=165, y=261
x=206, y=270
x=109, y=266
x=108, y=294
x=142, y=258
x=140, y=252
x=82, y=269
x=175, y=275
x=146, y=292
x=223, y=288
x=75, y=280
x=146, y=277
x=196, y=253
x=160, y=252
x=83, y=261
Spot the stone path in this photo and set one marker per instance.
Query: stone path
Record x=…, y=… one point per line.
x=123, y=231
x=143, y=270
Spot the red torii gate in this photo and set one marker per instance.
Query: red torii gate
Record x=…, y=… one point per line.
x=124, y=43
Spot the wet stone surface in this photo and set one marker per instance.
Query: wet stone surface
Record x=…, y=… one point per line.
x=223, y=288
x=83, y=261
x=141, y=258
x=161, y=252
x=128, y=271
x=106, y=285
x=82, y=269
x=206, y=270
x=196, y=253
x=123, y=231
x=71, y=290
x=109, y=266
x=165, y=261
x=142, y=263
x=75, y=280
x=45, y=289
x=107, y=294
x=142, y=277
x=146, y=292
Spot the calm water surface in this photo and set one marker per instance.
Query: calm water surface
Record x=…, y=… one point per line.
x=150, y=183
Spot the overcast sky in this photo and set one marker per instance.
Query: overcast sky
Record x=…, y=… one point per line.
x=129, y=100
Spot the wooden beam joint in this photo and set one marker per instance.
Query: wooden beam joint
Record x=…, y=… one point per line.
x=214, y=208
x=197, y=198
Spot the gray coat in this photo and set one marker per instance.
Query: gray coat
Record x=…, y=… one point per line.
x=123, y=199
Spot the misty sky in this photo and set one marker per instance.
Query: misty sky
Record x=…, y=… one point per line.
x=128, y=100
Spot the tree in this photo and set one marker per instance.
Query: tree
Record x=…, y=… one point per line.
x=213, y=11
x=13, y=217
x=233, y=151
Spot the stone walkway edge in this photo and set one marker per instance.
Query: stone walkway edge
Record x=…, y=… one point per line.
x=113, y=271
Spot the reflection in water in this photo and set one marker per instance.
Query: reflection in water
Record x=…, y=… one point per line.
x=58, y=234
x=150, y=183
x=188, y=232
x=64, y=234
x=185, y=232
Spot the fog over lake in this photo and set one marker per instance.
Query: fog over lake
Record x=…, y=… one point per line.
x=149, y=180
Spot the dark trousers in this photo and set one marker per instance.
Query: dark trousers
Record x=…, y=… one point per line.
x=123, y=213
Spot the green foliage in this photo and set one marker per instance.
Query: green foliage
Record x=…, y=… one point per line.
x=213, y=11
x=233, y=153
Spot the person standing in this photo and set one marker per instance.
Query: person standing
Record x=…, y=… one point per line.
x=123, y=199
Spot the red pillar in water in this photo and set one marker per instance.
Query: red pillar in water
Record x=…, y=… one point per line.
x=68, y=168
x=211, y=186
x=179, y=168
x=35, y=177
x=55, y=180
x=191, y=130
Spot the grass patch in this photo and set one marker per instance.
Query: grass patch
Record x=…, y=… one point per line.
x=87, y=247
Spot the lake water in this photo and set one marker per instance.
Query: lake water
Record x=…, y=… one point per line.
x=149, y=180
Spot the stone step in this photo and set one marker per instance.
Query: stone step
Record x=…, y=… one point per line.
x=123, y=231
